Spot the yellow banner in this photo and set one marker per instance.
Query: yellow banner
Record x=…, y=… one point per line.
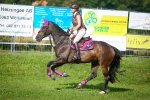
x=111, y=25
x=138, y=41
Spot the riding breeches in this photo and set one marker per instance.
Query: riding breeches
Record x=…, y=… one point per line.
x=79, y=35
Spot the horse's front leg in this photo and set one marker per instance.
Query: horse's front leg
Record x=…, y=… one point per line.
x=49, y=71
x=51, y=68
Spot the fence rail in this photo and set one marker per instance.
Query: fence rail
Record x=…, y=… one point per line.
x=40, y=47
x=25, y=47
x=27, y=44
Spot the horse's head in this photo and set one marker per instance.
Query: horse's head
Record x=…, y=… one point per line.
x=44, y=31
x=50, y=28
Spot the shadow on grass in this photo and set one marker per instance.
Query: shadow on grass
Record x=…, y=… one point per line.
x=91, y=87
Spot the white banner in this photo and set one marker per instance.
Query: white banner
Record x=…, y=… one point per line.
x=16, y=20
x=139, y=21
x=116, y=41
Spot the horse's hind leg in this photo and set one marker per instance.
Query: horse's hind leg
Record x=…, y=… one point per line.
x=106, y=77
x=94, y=67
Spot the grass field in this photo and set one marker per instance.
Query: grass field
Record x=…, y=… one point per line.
x=23, y=77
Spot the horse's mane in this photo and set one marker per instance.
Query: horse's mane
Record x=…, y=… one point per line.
x=57, y=27
x=54, y=26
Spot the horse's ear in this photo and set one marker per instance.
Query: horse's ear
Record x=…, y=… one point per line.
x=45, y=21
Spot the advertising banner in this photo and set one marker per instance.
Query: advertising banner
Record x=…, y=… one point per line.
x=138, y=41
x=107, y=25
x=59, y=15
x=116, y=41
x=139, y=21
x=105, y=22
x=16, y=20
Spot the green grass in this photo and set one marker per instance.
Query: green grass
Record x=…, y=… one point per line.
x=23, y=77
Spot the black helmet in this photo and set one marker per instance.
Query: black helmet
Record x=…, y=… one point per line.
x=74, y=6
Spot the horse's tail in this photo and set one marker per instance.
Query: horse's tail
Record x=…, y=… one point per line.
x=114, y=66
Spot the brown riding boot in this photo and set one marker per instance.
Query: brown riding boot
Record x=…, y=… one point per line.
x=77, y=52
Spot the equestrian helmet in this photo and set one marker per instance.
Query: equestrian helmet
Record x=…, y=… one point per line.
x=74, y=6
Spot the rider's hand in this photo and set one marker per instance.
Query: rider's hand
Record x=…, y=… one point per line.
x=69, y=31
x=71, y=36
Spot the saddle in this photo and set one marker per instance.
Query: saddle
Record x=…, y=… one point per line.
x=86, y=43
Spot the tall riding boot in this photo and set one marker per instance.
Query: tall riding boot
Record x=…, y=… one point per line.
x=77, y=55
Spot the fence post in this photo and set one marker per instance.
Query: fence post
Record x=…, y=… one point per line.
x=13, y=43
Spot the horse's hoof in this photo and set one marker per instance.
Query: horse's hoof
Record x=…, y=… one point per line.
x=102, y=92
x=52, y=77
x=64, y=74
x=79, y=86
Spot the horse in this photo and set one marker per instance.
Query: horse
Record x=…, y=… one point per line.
x=102, y=55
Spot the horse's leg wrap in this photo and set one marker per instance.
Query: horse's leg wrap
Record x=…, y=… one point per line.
x=58, y=72
x=83, y=82
x=64, y=74
x=48, y=71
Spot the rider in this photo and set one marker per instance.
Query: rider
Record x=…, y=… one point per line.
x=78, y=28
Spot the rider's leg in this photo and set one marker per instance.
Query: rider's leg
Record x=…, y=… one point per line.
x=77, y=56
x=78, y=37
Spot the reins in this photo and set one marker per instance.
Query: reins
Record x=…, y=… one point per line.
x=60, y=41
x=54, y=35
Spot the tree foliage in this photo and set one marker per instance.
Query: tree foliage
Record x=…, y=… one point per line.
x=132, y=5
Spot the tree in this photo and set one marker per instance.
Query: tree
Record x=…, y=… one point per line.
x=132, y=5
x=24, y=2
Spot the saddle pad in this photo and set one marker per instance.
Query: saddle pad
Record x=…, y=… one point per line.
x=87, y=45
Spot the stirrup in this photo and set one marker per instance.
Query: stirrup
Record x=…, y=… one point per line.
x=74, y=57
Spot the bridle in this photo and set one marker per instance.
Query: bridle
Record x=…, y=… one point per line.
x=45, y=30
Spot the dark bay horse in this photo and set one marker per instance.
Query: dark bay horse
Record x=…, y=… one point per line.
x=103, y=55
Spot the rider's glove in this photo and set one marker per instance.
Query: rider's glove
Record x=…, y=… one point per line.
x=71, y=35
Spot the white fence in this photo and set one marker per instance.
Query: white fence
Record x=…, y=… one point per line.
x=13, y=46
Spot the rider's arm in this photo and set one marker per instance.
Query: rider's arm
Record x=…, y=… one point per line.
x=79, y=22
x=71, y=27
